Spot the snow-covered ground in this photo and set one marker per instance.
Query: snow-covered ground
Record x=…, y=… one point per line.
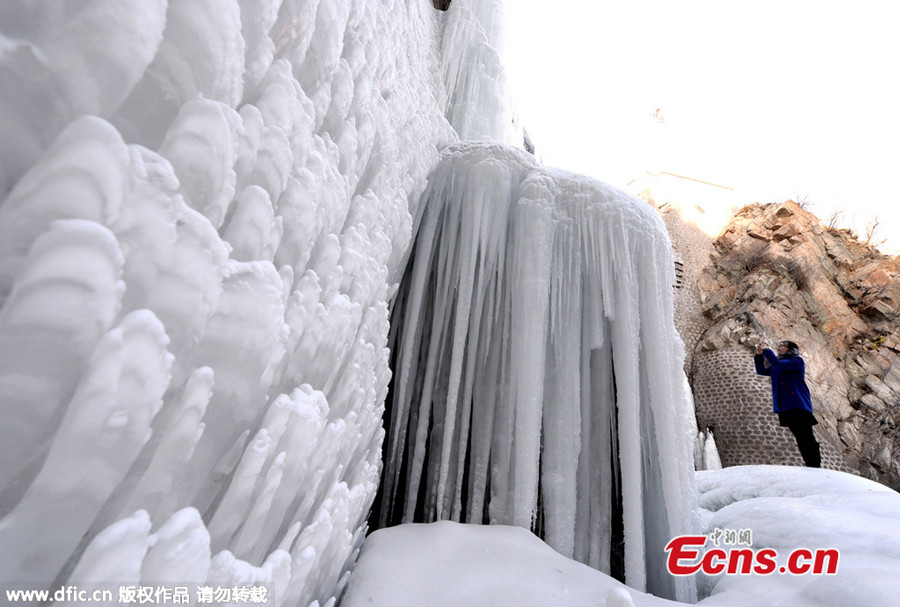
x=784, y=508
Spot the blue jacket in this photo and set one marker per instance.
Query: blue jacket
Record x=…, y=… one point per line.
x=789, y=390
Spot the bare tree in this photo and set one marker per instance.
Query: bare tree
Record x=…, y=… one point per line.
x=803, y=201
x=873, y=229
x=835, y=218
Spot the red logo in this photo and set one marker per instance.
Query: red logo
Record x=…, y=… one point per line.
x=687, y=557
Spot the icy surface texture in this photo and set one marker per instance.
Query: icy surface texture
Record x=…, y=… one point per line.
x=204, y=205
x=538, y=372
x=783, y=508
x=706, y=455
x=479, y=106
x=787, y=508
x=446, y=564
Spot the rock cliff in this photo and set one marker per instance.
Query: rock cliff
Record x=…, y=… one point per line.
x=776, y=272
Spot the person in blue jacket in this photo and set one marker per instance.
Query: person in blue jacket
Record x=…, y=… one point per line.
x=790, y=395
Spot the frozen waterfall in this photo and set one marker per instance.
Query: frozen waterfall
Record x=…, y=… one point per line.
x=206, y=209
x=537, y=370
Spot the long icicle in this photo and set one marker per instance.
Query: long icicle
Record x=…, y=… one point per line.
x=539, y=379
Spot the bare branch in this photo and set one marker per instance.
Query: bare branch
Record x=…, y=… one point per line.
x=803, y=201
x=837, y=216
x=873, y=228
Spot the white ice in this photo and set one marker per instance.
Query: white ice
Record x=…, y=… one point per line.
x=536, y=346
x=203, y=205
x=447, y=563
x=706, y=455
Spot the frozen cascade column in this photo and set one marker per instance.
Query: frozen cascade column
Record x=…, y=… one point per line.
x=538, y=305
x=478, y=104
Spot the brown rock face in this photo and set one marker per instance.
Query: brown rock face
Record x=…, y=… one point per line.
x=776, y=272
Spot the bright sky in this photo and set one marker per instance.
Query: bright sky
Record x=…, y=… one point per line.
x=778, y=100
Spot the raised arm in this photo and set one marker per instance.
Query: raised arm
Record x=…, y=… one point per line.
x=759, y=363
x=791, y=364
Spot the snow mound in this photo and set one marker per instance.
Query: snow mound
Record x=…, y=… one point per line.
x=786, y=508
x=451, y=564
x=789, y=508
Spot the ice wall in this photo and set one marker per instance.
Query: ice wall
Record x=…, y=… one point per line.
x=479, y=106
x=538, y=374
x=205, y=204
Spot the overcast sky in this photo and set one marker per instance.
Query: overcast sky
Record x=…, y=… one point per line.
x=778, y=100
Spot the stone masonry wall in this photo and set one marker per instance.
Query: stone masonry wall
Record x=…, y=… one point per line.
x=722, y=308
x=692, y=249
x=736, y=403
x=777, y=273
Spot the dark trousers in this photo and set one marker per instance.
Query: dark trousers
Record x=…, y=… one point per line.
x=800, y=423
x=806, y=442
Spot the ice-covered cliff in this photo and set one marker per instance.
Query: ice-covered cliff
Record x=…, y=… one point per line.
x=207, y=206
x=203, y=204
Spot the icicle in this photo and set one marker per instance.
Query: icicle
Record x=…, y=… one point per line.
x=59, y=57
x=253, y=231
x=116, y=553
x=80, y=177
x=257, y=19
x=201, y=55
x=474, y=77
x=202, y=131
x=162, y=479
x=244, y=346
x=65, y=299
x=104, y=428
x=539, y=372
x=179, y=550
x=255, y=519
x=233, y=508
x=228, y=571
x=711, y=460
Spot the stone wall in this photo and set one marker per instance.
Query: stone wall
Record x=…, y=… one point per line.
x=775, y=272
x=692, y=249
x=736, y=404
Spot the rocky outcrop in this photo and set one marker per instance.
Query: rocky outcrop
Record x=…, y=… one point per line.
x=776, y=272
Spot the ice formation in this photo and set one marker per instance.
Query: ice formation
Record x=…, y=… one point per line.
x=711, y=458
x=534, y=376
x=203, y=204
x=207, y=206
x=780, y=508
x=706, y=454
